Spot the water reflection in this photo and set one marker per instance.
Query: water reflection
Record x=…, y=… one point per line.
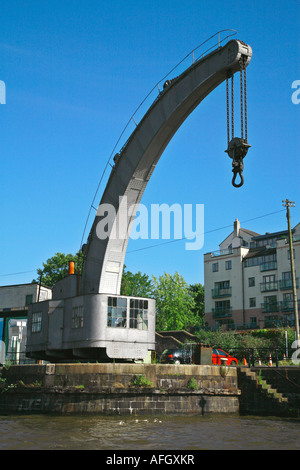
x=147, y=433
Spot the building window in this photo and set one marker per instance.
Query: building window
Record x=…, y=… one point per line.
x=28, y=299
x=261, y=260
x=251, y=281
x=77, y=317
x=287, y=276
x=253, y=321
x=222, y=285
x=269, y=283
x=252, y=302
x=138, y=314
x=222, y=307
x=36, y=324
x=288, y=302
x=215, y=267
x=228, y=265
x=270, y=304
x=117, y=312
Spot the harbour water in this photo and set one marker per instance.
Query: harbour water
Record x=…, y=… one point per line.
x=210, y=432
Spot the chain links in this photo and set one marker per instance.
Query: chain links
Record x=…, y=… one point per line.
x=245, y=99
x=237, y=146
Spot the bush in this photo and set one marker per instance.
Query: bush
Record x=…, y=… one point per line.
x=271, y=339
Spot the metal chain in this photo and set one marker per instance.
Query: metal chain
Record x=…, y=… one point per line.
x=244, y=118
x=245, y=98
x=232, y=107
x=237, y=146
x=227, y=105
x=242, y=99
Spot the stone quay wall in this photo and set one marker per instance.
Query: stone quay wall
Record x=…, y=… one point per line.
x=149, y=389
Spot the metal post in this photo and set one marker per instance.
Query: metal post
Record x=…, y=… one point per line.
x=39, y=291
x=289, y=204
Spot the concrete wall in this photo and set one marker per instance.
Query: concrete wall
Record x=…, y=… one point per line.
x=110, y=389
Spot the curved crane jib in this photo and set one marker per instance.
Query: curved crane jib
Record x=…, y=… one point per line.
x=134, y=164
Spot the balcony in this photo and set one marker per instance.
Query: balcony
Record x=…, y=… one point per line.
x=270, y=307
x=268, y=286
x=268, y=266
x=225, y=252
x=288, y=305
x=218, y=293
x=286, y=284
x=222, y=312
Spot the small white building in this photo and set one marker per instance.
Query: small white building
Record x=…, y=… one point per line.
x=14, y=302
x=248, y=282
x=20, y=296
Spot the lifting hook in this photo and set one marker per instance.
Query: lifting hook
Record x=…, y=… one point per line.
x=237, y=150
x=237, y=146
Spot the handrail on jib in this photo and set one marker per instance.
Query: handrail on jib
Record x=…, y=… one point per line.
x=230, y=32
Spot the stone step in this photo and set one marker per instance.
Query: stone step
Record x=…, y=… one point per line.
x=264, y=386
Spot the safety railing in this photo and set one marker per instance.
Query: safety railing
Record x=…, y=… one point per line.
x=195, y=55
x=263, y=357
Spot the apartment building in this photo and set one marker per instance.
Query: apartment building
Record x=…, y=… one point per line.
x=248, y=282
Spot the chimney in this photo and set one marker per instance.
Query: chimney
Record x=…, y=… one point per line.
x=236, y=227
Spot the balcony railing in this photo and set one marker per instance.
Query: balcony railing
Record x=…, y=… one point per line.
x=268, y=286
x=270, y=308
x=268, y=266
x=285, y=284
x=222, y=312
x=219, y=293
x=287, y=305
x=227, y=251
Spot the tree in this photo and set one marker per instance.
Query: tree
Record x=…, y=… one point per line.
x=174, y=303
x=197, y=292
x=57, y=267
x=136, y=285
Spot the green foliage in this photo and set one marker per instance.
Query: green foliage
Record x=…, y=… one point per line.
x=57, y=267
x=136, y=285
x=193, y=384
x=264, y=338
x=197, y=292
x=218, y=339
x=7, y=364
x=178, y=304
x=141, y=381
x=174, y=303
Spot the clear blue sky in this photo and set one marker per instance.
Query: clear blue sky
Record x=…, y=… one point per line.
x=75, y=70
